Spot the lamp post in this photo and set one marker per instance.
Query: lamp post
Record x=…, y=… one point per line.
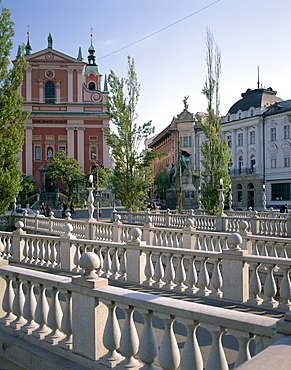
x=221, y=196
x=264, y=198
x=90, y=199
x=199, y=200
x=230, y=198
x=97, y=183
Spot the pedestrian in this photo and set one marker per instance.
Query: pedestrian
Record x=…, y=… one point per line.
x=47, y=210
x=64, y=210
x=42, y=207
x=282, y=208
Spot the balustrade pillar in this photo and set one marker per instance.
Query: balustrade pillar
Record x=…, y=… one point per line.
x=18, y=242
x=136, y=259
x=88, y=313
x=116, y=229
x=67, y=249
x=235, y=273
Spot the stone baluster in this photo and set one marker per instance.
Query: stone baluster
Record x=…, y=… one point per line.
x=217, y=246
x=41, y=253
x=115, y=267
x=191, y=277
x=204, y=243
x=255, y=285
x=54, y=318
x=211, y=244
x=129, y=342
x=264, y=251
x=41, y=313
x=285, y=289
x=255, y=249
x=76, y=258
x=107, y=264
x=36, y=252
x=198, y=244
x=25, y=250
x=270, y=288
x=66, y=324
x=243, y=346
x=123, y=266
x=216, y=358
x=29, y=309
x=159, y=271
x=30, y=253
x=169, y=355
x=274, y=250
x=169, y=273
x=203, y=279
x=148, y=347
x=180, y=275
x=284, y=253
x=191, y=356
x=111, y=337
x=149, y=269
x=216, y=280
x=7, y=302
x=159, y=239
x=17, y=306
x=46, y=254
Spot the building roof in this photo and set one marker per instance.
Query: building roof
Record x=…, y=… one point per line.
x=257, y=98
x=279, y=107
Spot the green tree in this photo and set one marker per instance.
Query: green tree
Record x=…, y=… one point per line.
x=12, y=117
x=27, y=184
x=67, y=171
x=131, y=178
x=101, y=176
x=214, y=148
x=162, y=183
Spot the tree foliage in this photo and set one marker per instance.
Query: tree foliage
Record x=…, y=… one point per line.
x=131, y=176
x=12, y=117
x=67, y=171
x=214, y=148
x=162, y=183
x=27, y=184
x=101, y=176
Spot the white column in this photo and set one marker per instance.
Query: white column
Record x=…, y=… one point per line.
x=80, y=139
x=245, y=147
x=70, y=85
x=70, y=142
x=58, y=91
x=40, y=91
x=258, y=143
x=28, y=84
x=28, y=149
x=79, y=85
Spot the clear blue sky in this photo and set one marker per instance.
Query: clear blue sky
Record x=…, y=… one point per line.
x=171, y=63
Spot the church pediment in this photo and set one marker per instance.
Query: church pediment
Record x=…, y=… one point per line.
x=51, y=55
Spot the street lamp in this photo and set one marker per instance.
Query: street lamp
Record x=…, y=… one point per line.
x=97, y=182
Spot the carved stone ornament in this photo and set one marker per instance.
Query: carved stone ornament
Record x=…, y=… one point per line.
x=273, y=148
x=49, y=56
x=286, y=146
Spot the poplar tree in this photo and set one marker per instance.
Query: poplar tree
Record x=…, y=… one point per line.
x=214, y=149
x=131, y=178
x=12, y=117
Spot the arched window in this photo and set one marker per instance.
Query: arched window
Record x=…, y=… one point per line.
x=253, y=163
x=91, y=86
x=250, y=186
x=49, y=92
x=239, y=193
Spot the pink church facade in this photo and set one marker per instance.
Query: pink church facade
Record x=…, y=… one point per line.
x=66, y=98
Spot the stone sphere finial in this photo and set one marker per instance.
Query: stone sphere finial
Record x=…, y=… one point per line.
x=19, y=225
x=189, y=222
x=234, y=240
x=136, y=234
x=89, y=262
x=243, y=225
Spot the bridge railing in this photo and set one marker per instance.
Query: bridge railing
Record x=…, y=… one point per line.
x=249, y=269
x=110, y=327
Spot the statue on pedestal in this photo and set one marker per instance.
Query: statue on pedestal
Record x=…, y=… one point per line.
x=173, y=173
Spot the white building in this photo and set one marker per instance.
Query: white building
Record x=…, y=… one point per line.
x=257, y=128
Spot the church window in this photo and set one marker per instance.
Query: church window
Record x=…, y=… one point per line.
x=240, y=139
x=50, y=92
x=93, y=153
x=37, y=153
x=91, y=86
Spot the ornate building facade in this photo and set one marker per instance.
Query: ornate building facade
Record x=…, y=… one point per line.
x=66, y=98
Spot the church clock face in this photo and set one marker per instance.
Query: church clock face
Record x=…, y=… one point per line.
x=49, y=73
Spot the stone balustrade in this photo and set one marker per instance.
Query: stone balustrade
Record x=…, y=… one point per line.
x=101, y=326
x=250, y=269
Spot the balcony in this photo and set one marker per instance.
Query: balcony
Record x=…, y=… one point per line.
x=242, y=171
